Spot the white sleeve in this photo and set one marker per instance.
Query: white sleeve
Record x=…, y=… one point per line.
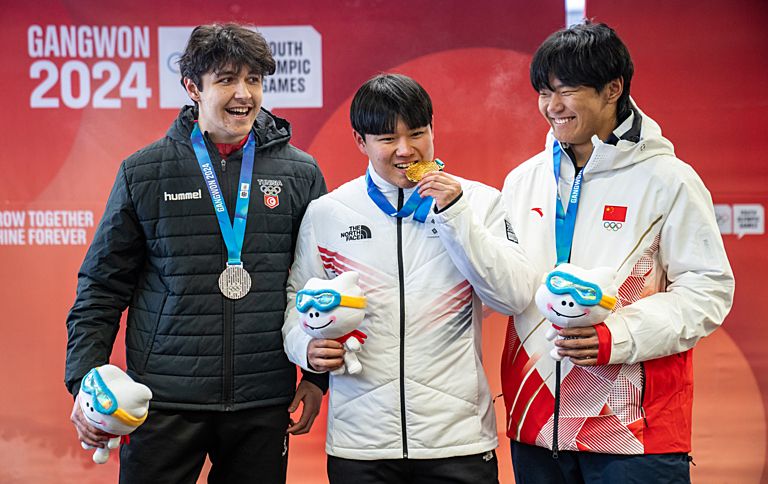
x=482, y=244
x=306, y=264
x=700, y=286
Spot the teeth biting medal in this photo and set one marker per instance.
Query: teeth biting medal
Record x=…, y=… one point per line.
x=417, y=170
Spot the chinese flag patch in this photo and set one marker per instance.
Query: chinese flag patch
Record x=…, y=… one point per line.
x=614, y=213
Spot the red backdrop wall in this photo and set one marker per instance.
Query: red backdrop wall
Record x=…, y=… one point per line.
x=698, y=74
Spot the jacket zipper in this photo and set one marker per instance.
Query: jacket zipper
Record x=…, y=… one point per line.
x=228, y=390
x=642, y=394
x=556, y=419
x=401, y=277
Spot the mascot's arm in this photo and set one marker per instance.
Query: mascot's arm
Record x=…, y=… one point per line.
x=477, y=239
x=701, y=284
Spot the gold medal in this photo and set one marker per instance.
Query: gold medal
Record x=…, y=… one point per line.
x=416, y=171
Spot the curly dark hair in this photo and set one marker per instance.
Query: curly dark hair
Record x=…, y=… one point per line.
x=214, y=47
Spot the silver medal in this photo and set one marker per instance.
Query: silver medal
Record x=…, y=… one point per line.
x=234, y=282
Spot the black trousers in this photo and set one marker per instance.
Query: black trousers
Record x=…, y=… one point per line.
x=466, y=469
x=535, y=465
x=244, y=446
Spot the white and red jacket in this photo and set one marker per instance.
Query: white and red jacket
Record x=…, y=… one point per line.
x=648, y=215
x=423, y=393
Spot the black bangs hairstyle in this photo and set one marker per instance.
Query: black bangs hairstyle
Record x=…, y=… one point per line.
x=383, y=99
x=211, y=48
x=584, y=55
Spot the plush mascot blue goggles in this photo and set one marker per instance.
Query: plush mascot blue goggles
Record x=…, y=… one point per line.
x=104, y=400
x=583, y=292
x=325, y=300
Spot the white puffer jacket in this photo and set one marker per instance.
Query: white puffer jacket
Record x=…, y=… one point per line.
x=423, y=393
x=646, y=214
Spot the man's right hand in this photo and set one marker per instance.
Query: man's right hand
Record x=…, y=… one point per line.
x=325, y=354
x=86, y=432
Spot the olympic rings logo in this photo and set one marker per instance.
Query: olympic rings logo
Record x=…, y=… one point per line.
x=612, y=225
x=272, y=190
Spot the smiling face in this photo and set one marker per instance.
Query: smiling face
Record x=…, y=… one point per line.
x=325, y=317
x=558, y=299
x=576, y=113
x=325, y=325
x=562, y=310
x=392, y=153
x=228, y=102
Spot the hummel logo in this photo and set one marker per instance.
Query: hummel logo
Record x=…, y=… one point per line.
x=169, y=197
x=356, y=232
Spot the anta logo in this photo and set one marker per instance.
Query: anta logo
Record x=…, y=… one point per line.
x=356, y=232
x=171, y=197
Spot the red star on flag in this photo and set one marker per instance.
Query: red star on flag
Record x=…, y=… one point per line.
x=614, y=213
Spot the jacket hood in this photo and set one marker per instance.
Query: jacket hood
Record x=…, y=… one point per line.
x=268, y=128
x=626, y=152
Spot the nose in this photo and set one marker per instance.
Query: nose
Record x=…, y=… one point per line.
x=555, y=103
x=404, y=148
x=241, y=90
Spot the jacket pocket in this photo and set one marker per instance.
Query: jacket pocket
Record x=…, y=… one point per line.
x=148, y=349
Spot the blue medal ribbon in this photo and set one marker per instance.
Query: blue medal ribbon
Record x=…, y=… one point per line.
x=415, y=205
x=565, y=222
x=233, y=233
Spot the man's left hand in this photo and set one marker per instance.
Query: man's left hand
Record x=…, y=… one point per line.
x=579, y=344
x=311, y=397
x=441, y=186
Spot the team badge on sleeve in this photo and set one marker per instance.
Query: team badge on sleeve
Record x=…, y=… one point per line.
x=510, y=231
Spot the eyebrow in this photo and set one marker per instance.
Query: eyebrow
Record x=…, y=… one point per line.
x=224, y=73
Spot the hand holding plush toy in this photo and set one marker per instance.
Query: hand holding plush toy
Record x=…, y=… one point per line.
x=574, y=297
x=111, y=401
x=333, y=310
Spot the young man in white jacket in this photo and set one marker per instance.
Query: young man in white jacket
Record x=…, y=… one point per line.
x=621, y=409
x=421, y=410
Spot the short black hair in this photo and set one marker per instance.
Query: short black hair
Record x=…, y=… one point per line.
x=383, y=99
x=214, y=47
x=587, y=54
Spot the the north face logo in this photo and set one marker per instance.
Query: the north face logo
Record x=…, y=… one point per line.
x=356, y=232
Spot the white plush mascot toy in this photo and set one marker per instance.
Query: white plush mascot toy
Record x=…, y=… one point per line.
x=111, y=401
x=573, y=297
x=333, y=309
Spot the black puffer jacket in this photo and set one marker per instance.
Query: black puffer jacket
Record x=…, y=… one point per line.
x=158, y=250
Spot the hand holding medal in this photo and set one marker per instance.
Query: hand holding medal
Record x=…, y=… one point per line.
x=435, y=183
x=416, y=171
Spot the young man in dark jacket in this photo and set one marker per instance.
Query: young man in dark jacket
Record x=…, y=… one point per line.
x=205, y=295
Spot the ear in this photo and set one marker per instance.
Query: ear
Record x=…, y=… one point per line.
x=432, y=125
x=613, y=90
x=359, y=142
x=192, y=90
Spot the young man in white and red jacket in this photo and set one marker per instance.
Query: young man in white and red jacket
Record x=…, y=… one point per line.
x=429, y=255
x=621, y=407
